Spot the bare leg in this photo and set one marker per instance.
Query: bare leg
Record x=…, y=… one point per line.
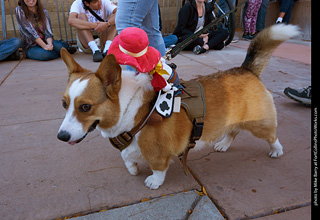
x=85, y=36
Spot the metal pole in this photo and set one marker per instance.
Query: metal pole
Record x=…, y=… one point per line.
x=11, y=13
x=3, y=13
x=64, y=20
x=69, y=25
x=58, y=19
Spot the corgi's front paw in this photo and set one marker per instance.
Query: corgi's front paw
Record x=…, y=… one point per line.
x=133, y=169
x=155, y=180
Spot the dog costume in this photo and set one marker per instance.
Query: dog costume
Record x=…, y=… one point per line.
x=131, y=47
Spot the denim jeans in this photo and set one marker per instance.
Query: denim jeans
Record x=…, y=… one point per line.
x=8, y=47
x=142, y=14
x=286, y=7
x=38, y=53
x=261, y=20
x=170, y=40
x=224, y=6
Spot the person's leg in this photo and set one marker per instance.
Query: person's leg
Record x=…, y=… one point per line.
x=217, y=38
x=285, y=11
x=287, y=15
x=84, y=36
x=38, y=53
x=262, y=15
x=195, y=43
x=224, y=6
x=170, y=40
x=58, y=45
x=107, y=37
x=151, y=26
x=256, y=7
x=142, y=14
x=8, y=47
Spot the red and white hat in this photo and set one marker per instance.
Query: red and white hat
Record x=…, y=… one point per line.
x=131, y=47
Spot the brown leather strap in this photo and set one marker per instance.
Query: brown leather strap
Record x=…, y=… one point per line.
x=123, y=140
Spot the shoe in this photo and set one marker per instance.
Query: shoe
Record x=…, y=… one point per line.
x=14, y=56
x=303, y=96
x=172, y=65
x=105, y=54
x=71, y=50
x=97, y=56
x=247, y=36
x=253, y=35
x=235, y=39
x=198, y=50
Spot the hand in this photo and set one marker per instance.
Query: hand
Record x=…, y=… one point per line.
x=205, y=38
x=204, y=35
x=101, y=26
x=48, y=47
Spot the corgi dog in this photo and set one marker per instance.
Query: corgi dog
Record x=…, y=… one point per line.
x=113, y=101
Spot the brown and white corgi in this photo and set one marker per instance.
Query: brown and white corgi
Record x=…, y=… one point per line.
x=114, y=101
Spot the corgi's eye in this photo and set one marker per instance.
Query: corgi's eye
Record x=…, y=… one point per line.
x=64, y=104
x=85, y=108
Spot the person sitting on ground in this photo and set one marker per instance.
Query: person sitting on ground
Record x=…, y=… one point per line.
x=85, y=16
x=193, y=16
x=9, y=49
x=36, y=33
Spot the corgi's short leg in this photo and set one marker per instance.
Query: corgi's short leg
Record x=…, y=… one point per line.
x=276, y=149
x=225, y=143
x=131, y=155
x=156, y=179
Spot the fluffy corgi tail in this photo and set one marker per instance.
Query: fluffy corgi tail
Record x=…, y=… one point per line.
x=262, y=46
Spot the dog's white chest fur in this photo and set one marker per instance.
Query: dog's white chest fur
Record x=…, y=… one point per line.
x=130, y=99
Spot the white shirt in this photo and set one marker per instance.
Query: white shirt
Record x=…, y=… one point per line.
x=106, y=10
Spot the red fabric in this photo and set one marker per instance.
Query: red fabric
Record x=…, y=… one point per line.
x=134, y=40
x=158, y=82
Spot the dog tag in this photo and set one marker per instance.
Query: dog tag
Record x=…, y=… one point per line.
x=177, y=104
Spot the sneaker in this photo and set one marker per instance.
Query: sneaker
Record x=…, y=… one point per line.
x=104, y=54
x=97, y=56
x=235, y=39
x=253, y=35
x=173, y=66
x=247, y=36
x=303, y=96
x=14, y=56
x=198, y=50
x=71, y=50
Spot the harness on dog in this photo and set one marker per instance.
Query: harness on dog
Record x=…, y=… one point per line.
x=192, y=100
x=123, y=140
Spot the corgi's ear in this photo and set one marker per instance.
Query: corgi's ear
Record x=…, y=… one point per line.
x=109, y=72
x=72, y=65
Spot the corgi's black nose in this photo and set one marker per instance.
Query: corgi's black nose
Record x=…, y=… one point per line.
x=64, y=136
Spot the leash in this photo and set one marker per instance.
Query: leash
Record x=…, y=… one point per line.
x=180, y=46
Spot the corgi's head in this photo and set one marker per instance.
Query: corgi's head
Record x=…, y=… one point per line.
x=91, y=98
x=111, y=100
